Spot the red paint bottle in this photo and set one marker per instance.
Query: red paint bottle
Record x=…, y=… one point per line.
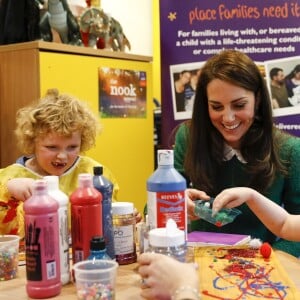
x=86, y=217
x=42, y=243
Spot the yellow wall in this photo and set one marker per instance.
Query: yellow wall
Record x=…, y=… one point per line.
x=126, y=145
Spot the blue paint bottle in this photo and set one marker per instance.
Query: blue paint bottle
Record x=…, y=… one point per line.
x=166, y=194
x=105, y=187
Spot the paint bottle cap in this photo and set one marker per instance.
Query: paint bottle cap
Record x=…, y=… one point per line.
x=165, y=157
x=122, y=208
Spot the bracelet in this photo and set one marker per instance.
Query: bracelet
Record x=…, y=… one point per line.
x=186, y=292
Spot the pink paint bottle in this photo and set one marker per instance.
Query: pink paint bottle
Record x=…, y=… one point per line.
x=42, y=243
x=86, y=217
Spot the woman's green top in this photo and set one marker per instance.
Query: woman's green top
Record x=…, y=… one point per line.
x=284, y=191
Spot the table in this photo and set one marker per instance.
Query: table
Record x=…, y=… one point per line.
x=128, y=282
x=128, y=286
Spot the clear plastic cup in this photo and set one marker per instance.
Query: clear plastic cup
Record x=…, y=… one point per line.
x=9, y=256
x=96, y=279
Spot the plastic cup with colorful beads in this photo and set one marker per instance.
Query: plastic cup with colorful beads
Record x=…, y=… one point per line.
x=9, y=256
x=95, y=279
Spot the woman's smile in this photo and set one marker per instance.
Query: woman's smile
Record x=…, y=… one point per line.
x=231, y=109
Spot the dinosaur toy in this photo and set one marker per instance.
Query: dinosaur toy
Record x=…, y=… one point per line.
x=60, y=18
x=99, y=30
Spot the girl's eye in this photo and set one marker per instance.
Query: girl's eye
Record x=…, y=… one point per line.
x=51, y=147
x=74, y=147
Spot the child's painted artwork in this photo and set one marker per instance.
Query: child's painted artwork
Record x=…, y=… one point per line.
x=242, y=273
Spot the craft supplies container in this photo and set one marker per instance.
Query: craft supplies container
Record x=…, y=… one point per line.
x=168, y=240
x=124, y=232
x=96, y=279
x=223, y=217
x=9, y=256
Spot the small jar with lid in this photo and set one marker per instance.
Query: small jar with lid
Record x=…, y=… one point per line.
x=124, y=232
x=168, y=240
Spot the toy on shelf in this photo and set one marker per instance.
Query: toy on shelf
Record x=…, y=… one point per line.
x=99, y=30
x=60, y=18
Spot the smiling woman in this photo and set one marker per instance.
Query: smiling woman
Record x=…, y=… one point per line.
x=232, y=113
x=231, y=141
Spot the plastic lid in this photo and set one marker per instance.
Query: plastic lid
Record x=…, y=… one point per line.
x=165, y=157
x=98, y=170
x=97, y=243
x=52, y=182
x=40, y=185
x=122, y=208
x=168, y=236
x=85, y=180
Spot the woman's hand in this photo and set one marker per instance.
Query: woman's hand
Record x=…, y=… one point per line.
x=20, y=188
x=163, y=275
x=191, y=195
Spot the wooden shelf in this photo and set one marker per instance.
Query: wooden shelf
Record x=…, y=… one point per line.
x=64, y=48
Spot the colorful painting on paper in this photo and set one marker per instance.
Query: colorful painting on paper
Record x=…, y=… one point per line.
x=242, y=273
x=122, y=93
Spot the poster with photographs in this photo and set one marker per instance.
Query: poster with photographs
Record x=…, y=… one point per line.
x=192, y=31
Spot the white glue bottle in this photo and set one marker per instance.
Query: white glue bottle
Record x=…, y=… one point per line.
x=62, y=200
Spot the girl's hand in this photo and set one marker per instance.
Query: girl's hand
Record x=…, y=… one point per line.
x=233, y=197
x=20, y=188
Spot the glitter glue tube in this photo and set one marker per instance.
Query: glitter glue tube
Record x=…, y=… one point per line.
x=124, y=232
x=42, y=243
x=166, y=194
